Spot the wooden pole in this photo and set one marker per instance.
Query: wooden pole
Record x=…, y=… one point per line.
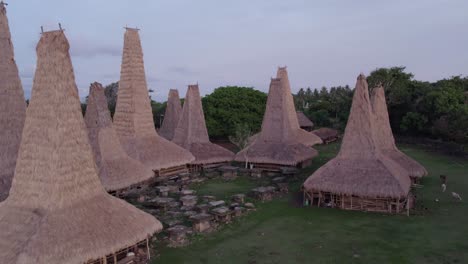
x=147, y=248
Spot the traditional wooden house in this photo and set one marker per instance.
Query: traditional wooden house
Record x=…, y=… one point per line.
x=12, y=106
x=57, y=210
x=133, y=118
x=304, y=121
x=191, y=134
x=360, y=177
x=281, y=141
x=171, y=116
x=117, y=170
x=385, y=140
x=327, y=135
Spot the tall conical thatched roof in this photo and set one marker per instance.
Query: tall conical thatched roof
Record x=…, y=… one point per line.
x=12, y=107
x=171, y=117
x=360, y=168
x=57, y=211
x=133, y=118
x=280, y=141
x=116, y=169
x=191, y=132
x=384, y=136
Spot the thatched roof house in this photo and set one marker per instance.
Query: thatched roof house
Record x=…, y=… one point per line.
x=133, y=118
x=12, y=106
x=384, y=136
x=57, y=211
x=281, y=142
x=327, y=134
x=116, y=169
x=171, y=117
x=191, y=132
x=360, y=177
x=304, y=121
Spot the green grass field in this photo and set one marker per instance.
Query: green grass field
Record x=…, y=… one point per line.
x=281, y=232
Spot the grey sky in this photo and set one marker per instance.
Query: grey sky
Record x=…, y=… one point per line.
x=323, y=43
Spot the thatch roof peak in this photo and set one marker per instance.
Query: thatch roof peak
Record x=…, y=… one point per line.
x=56, y=190
x=3, y=8
x=12, y=107
x=192, y=134
x=133, y=119
x=171, y=116
x=360, y=168
x=384, y=136
x=116, y=169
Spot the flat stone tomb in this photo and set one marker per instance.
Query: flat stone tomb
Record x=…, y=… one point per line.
x=189, y=200
x=228, y=172
x=163, y=190
x=201, y=222
x=264, y=193
x=222, y=214
x=217, y=203
x=178, y=236
x=238, y=198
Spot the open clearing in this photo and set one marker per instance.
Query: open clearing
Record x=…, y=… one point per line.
x=281, y=232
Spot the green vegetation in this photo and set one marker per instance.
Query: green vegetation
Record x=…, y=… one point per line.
x=283, y=232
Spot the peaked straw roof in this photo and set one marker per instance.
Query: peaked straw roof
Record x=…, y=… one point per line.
x=171, y=116
x=58, y=211
x=280, y=141
x=12, y=106
x=360, y=168
x=116, y=169
x=304, y=121
x=326, y=133
x=384, y=136
x=191, y=132
x=133, y=118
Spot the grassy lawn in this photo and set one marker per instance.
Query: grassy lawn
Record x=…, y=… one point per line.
x=280, y=232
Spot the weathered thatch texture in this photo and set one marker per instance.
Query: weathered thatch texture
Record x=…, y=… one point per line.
x=280, y=141
x=171, y=117
x=116, y=169
x=191, y=132
x=326, y=134
x=12, y=107
x=57, y=211
x=304, y=121
x=133, y=119
x=360, y=169
x=384, y=136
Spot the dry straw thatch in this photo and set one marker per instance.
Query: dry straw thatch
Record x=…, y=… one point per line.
x=133, y=119
x=58, y=211
x=191, y=132
x=304, y=121
x=171, y=116
x=384, y=136
x=326, y=134
x=116, y=169
x=360, y=169
x=12, y=106
x=281, y=140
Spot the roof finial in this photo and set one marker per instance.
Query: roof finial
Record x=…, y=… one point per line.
x=60, y=26
x=42, y=29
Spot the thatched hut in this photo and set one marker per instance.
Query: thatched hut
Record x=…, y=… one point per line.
x=117, y=170
x=281, y=142
x=360, y=177
x=133, y=118
x=304, y=121
x=385, y=140
x=327, y=134
x=12, y=106
x=171, y=116
x=58, y=211
x=191, y=134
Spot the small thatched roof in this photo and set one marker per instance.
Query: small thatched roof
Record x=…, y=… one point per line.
x=12, y=106
x=360, y=168
x=384, y=136
x=280, y=141
x=304, y=121
x=326, y=133
x=171, y=117
x=191, y=132
x=133, y=118
x=58, y=211
x=116, y=169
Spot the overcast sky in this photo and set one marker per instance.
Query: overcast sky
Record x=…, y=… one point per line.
x=216, y=43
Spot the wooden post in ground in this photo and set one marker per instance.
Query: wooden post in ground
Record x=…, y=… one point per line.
x=147, y=248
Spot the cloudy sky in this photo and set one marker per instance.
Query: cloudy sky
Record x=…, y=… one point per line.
x=216, y=43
